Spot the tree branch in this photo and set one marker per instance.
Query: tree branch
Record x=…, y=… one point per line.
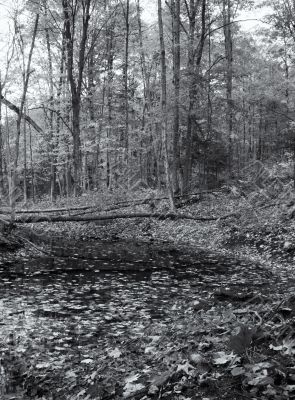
x=16, y=109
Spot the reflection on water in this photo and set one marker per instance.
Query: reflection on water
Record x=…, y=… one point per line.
x=94, y=290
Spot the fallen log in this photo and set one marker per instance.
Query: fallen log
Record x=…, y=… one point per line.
x=55, y=210
x=115, y=206
x=89, y=218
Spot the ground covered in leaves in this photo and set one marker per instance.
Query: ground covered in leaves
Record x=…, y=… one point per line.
x=152, y=309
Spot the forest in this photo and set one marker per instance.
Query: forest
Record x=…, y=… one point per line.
x=147, y=199
x=101, y=95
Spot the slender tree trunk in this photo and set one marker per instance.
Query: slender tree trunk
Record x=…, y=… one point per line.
x=144, y=155
x=229, y=78
x=51, y=112
x=193, y=68
x=96, y=133
x=25, y=163
x=8, y=155
x=164, y=116
x=1, y=141
x=287, y=74
x=209, y=101
x=27, y=74
x=175, y=6
x=61, y=82
x=191, y=97
x=125, y=77
x=110, y=76
x=32, y=166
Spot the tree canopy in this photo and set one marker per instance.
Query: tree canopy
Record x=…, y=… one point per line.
x=98, y=95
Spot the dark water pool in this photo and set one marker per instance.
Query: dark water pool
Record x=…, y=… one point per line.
x=104, y=287
x=89, y=302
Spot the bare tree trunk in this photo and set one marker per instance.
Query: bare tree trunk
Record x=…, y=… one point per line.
x=164, y=116
x=110, y=73
x=32, y=166
x=146, y=105
x=25, y=163
x=209, y=100
x=229, y=77
x=175, y=6
x=51, y=112
x=27, y=74
x=76, y=85
x=193, y=66
x=191, y=95
x=91, y=108
x=1, y=141
x=125, y=77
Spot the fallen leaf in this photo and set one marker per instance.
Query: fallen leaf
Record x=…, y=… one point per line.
x=87, y=361
x=70, y=374
x=276, y=348
x=186, y=368
x=237, y=371
x=132, y=378
x=42, y=365
x=161, y=379
x=131, y=389
x=116, y=353
x=221, y=358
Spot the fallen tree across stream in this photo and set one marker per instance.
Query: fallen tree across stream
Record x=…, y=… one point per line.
x=89, y=218
x=115, y=206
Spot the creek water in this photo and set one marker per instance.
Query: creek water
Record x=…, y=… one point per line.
x=93, y=305
x=104, y=286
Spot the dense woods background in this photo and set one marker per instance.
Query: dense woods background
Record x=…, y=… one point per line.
x=96, y=95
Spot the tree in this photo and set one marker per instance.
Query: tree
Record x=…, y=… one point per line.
x=51, y=105
x=228, y=44
x=175, y=7
x=164, y=116
x=193, y=71
x=70, y=13
x=26, y=77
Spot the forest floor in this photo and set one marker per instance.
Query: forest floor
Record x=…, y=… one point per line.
x=234, y=339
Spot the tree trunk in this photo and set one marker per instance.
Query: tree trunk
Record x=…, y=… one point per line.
x=1, y=142
x=187, y=168
x=110, y=76
x=51, y=111
x=164, y=116
x=32, y=166
x=125, y=77
x=27, y=73
x=90, y=218
x=25, y=163
x=229, y=78
x=144, y=155
x=76, y=85
x=175, y=6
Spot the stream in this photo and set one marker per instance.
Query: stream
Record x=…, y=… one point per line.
x=92, y=295
x=107, y=284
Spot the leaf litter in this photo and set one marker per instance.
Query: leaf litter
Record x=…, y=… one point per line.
x=130, y=327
